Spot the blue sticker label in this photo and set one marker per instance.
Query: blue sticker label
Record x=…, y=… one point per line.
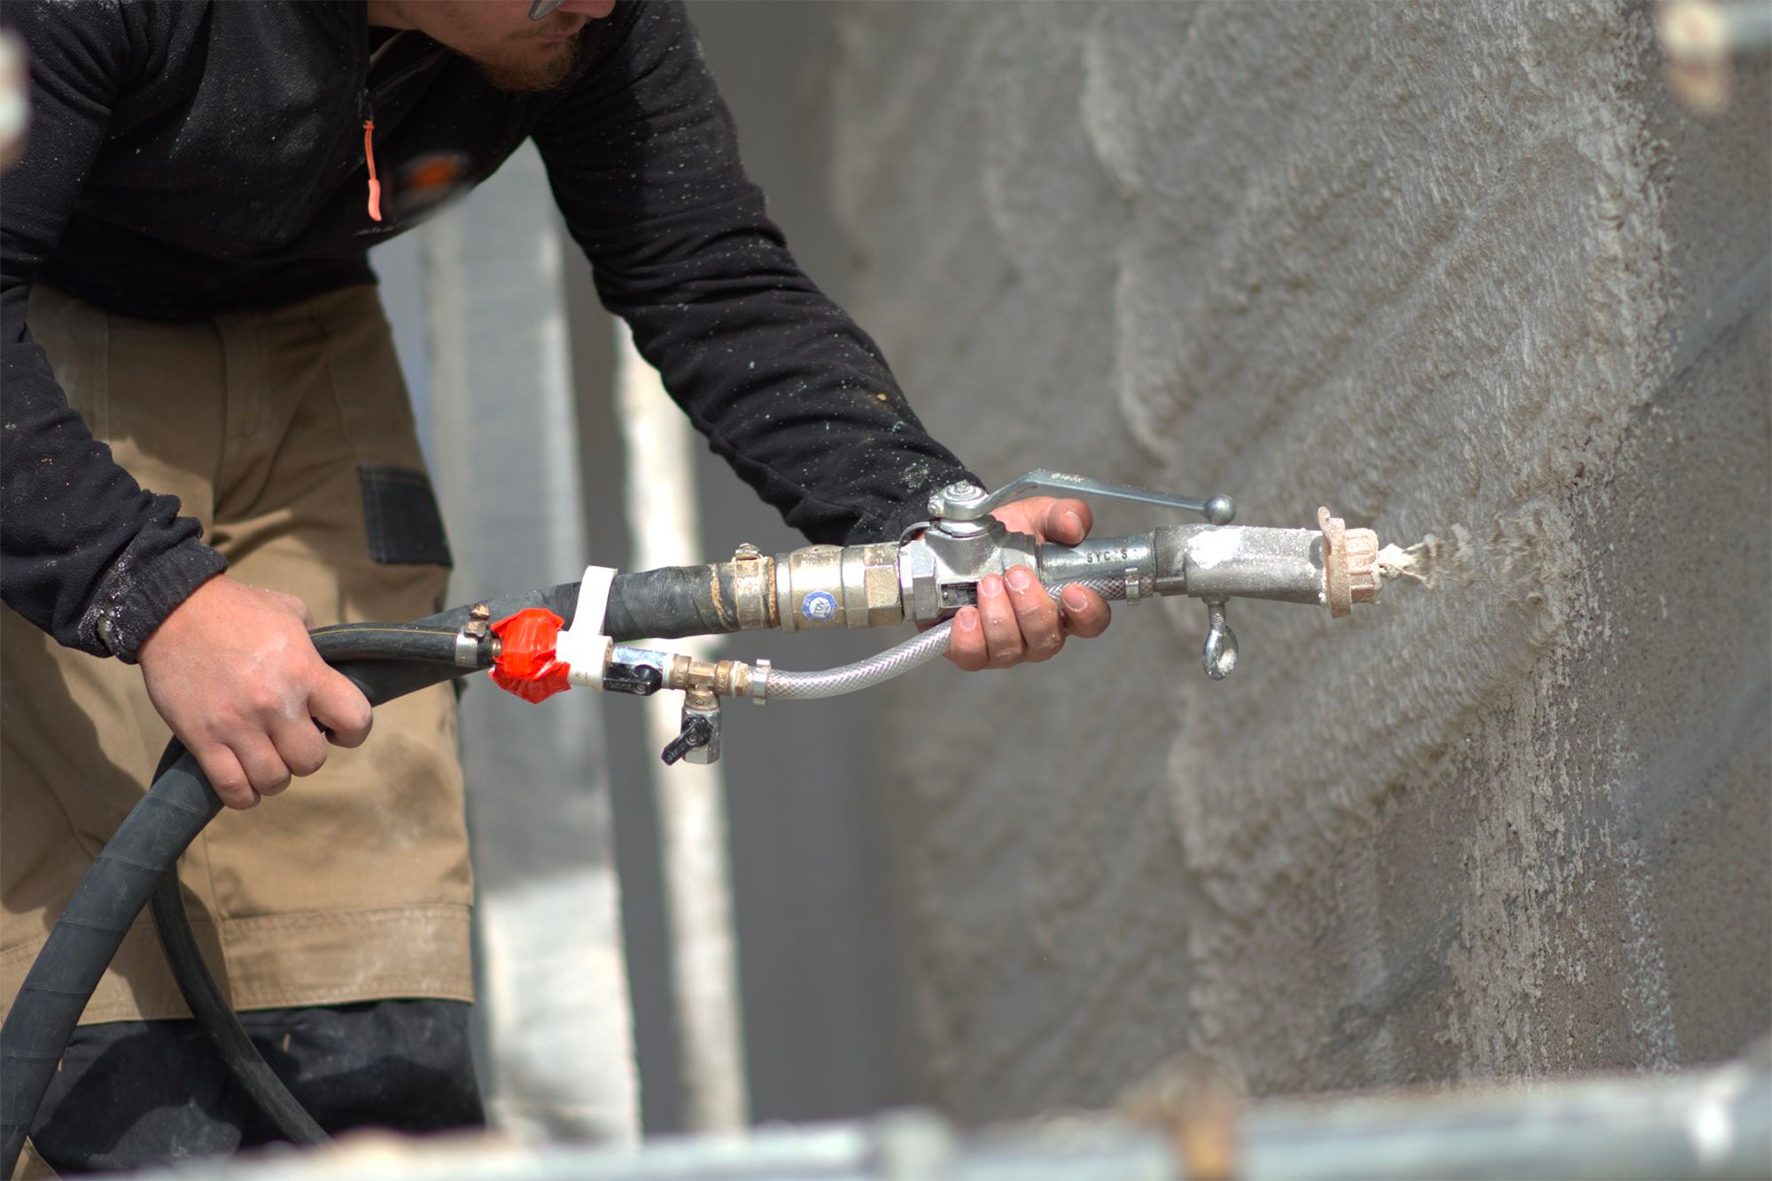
x=819, y=606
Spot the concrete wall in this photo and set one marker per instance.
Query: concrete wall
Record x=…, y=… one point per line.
x=1444, y=268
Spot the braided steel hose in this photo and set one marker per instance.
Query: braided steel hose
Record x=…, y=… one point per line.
x=915, y=652
x=1111, y=587
x=863, y=674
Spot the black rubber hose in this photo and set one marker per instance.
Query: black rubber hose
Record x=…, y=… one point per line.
x=144, y=850
x=672, y=602
x=49, y=1003
x=562, y=600
x=385, y=662
x=664, y=604
x=216, y=1016
x=392, y=656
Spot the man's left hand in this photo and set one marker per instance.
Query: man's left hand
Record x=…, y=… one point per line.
x=1016, y=620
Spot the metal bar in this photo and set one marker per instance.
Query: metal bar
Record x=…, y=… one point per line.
x=1714, y=1123
x=1217, y=509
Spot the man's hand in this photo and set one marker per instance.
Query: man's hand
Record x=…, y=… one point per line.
x=233, y=672
x=1016, y=619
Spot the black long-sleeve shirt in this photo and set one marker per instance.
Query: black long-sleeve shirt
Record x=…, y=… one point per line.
x=191, y=156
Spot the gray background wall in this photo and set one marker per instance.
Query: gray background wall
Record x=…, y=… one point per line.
x=1435, y=266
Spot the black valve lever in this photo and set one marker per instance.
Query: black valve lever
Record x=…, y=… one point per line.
x=697, y=732
x=641, y=680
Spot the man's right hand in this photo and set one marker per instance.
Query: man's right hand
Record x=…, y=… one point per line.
x=233, y=672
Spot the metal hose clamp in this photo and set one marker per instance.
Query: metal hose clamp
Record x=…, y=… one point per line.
x=750, y=588
x=470, y=640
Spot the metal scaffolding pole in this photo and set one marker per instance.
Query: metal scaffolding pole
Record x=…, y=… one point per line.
x=1714, y=1123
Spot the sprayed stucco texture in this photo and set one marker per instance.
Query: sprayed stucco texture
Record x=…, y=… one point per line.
x=1463, y=266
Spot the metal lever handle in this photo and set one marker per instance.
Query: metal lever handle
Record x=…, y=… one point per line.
x=968, y=502
x=641, y=680
x=697, y=733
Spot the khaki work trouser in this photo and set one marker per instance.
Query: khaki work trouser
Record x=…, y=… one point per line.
x=287, y=433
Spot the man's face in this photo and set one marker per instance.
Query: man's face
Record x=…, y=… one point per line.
x=513, y=51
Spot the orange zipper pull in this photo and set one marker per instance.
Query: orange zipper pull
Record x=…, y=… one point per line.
x=374, y=184
x=366, y=112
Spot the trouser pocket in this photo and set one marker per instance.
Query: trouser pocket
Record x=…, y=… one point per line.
x=401, y=517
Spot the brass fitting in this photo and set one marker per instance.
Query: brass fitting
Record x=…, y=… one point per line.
x=699, y=678
x=824, y=586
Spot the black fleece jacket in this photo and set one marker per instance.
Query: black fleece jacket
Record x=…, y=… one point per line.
x=190, y=156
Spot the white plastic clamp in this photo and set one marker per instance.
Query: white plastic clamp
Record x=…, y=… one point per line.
x=581, y=645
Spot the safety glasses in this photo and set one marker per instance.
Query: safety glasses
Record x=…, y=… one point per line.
x=541, y=8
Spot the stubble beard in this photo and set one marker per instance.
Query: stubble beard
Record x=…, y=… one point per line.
x=519, y=73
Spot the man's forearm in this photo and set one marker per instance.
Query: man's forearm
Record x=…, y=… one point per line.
x=644, y=163
x=86, y=553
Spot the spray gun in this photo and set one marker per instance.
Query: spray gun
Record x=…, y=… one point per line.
x=1215, y=562
x=924, y=577
x=931, y=571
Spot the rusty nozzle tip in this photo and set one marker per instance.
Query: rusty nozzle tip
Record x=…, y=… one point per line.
x=1350, y=565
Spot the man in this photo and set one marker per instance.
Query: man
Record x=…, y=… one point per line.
x=207, y=450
